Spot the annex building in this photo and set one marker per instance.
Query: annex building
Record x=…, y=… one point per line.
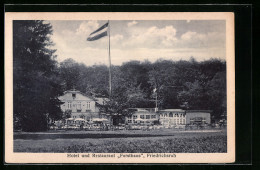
x=168, y=117
x=172, y=117
x=198, y=116
x=142, y=116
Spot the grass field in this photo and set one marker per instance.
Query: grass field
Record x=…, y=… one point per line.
x=122, y=142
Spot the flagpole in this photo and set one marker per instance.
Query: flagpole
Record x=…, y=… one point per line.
x=109, y=58
x=156, y=101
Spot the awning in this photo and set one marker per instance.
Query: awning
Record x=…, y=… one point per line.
x=79, y=119
x=70, y=119
x=99, y=119
x=139, y=119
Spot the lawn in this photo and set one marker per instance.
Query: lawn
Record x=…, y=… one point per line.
x=122, y=142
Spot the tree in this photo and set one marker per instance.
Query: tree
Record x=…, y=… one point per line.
x=180, y=84
x=207, y=90
x=67, y=114
x=36, y=79
x=163, y=76
x=69, y=72
x=90, y=80
x=116, y=110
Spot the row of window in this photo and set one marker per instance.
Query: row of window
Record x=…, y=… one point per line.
x=174, y=120
x=133, y=121
x=78, y=105
x=143, y=117
x=198, y=119
x=172, y=115
x=178, y=121
x=83, y=117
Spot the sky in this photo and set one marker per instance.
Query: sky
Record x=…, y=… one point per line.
x=140, y=40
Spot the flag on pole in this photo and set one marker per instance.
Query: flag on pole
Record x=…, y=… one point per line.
x=99, y=33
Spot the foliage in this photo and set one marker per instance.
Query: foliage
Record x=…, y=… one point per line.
x=180, y=84
x=116, y=110
x=67, y=114
x=69, y=73
x=36, y=79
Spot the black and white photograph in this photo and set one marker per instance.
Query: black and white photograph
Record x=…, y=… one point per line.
x=120, y=88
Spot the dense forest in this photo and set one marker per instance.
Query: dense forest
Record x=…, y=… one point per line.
x=179, y=84
x=39, y=79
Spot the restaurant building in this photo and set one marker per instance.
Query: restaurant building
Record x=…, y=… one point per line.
x=142, y=116
x=198, y=116
x=172, y=117
x=169, y=117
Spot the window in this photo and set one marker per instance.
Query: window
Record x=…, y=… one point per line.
x=88, y=105
x=142, y=116
x=74, y=95
x=153, y=116
x=198, y=119
x=170, y=115
x=69, y=105
x=135, y=116
x=147, y=116
x=79, y=106
x=129, y=121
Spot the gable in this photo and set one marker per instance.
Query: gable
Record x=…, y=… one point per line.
x=75, y=96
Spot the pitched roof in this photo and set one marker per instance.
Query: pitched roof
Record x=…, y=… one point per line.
x=196, y=111
x=172, y=110
x=101, y=100
x=143, y=109
x=76, y=91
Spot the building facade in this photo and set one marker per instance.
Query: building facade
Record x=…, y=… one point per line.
x=81, y=105
x=169, y=117
x=198, y=116
x=142, y=116
x=85, y=107
x=172, y=117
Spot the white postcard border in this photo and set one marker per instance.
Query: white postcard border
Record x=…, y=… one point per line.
x=12, y=157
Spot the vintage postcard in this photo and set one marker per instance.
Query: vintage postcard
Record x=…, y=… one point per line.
x=119, y=87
